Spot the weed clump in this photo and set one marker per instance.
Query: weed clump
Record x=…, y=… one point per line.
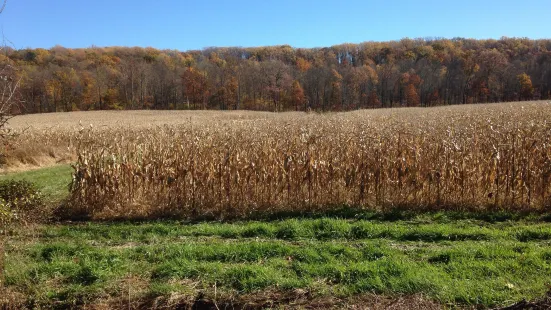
x=20, y=200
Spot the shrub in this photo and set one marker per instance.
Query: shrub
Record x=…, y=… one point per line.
x=19, y=200
x=6, y=214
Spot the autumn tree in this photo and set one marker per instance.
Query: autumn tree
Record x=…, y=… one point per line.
x=303, y=65
x=542, y=74
x=433, y=98
x=297, y=95
x=316, y=83
x=373, y=100
x=344, y=77
x=32, y=89
x=388, y=75
x=103, y=69
x=164, y=82
x=277, y=80
x=128, y=81
x=250, y=84
x=469, y=69
x=411, y=94
x=88, y=87
x=525, y=84
x=360, y=81
x=231, y=92
x=335, y=98
x=493, y=64
x=195, y=87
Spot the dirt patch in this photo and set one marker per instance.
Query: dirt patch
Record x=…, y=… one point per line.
x=543, y=303
x=301, y=299
x=10, y=300
x=298, y=299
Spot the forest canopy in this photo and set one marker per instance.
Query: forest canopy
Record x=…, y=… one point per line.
x=408, y=72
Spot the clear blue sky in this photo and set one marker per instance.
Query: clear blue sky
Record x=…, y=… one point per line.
x=187, y=24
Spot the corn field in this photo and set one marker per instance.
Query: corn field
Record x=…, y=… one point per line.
x=487, y=157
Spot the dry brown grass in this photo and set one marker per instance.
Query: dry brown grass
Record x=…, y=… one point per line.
x=297, y=299
x=232, y=164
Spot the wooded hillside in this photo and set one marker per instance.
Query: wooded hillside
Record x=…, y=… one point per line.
x=420, y=72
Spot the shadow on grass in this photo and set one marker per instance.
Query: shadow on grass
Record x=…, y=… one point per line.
x=65, y=213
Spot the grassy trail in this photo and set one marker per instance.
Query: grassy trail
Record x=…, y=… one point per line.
x=52, y=181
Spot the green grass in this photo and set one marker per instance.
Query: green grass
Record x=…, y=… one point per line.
x=468, y=262
x=465, y=259
x=52, y=181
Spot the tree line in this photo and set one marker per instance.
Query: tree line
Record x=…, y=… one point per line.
x=408, y=72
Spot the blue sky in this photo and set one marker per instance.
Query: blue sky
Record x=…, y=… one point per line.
x=186, y=24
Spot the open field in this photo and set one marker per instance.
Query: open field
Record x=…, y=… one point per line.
x=134, y=119
x=408, y=208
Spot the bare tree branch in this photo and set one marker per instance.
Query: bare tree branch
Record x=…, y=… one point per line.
x=9, y=84
x=3, y=6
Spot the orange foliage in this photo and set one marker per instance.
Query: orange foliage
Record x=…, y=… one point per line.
x=297, y=95
x=526, y=88
x=412, y=97
x=303, y=65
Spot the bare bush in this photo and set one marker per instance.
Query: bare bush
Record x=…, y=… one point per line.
x=9, y=83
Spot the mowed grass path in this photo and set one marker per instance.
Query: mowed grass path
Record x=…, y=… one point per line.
x=52, y=181
x=455, y=259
